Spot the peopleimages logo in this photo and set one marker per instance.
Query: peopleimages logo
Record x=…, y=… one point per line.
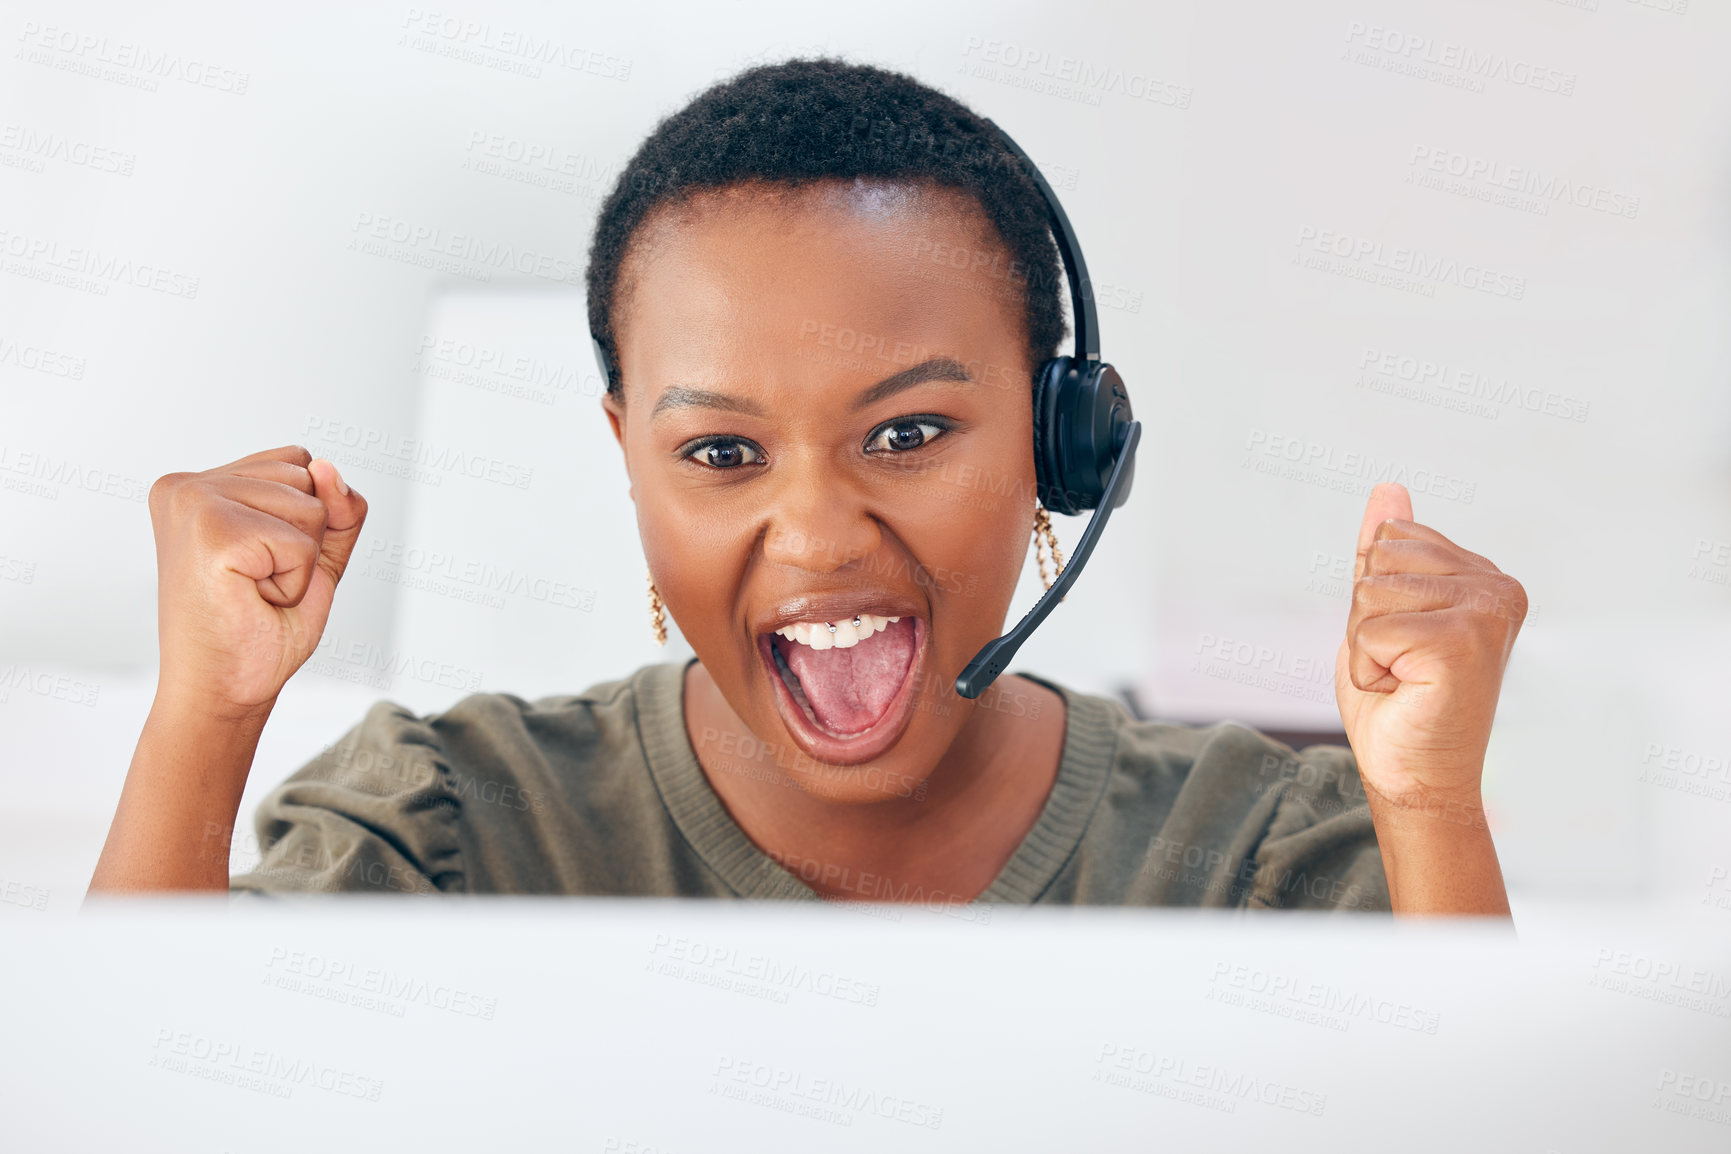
x=93, y=262
x=41, y=360
x=1158, y=1073
x=796, y=1087
x=89, y=52
x=1523, y=179
x=378, y=448
x=1297, y=458
x=1381, y=368
x=481, y=41
x=373, y=232
x=1039, y=69
x=58, y=471
x=1466, y=63
x=45, y=146
x=1412, y=262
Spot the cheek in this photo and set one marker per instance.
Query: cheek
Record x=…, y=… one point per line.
x=697, y=553
x=967, y=521
x=975, y=555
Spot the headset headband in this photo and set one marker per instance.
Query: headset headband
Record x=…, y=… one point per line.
x=1075, y=268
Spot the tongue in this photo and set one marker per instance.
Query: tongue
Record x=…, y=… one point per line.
x=850, y=689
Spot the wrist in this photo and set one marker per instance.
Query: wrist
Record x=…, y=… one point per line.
x=174, y=826
x=1440, y=811
x=195, y=705
x=194, y=757
x=1437, y=854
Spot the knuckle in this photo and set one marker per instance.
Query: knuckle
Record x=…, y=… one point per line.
x=296, y=477
x=1466, y=629
x=1516, y=595
x=187, y=498
x=162, y=489
x=211, y=522
x=1371, y=591
x=300, y=551
x=318, y=514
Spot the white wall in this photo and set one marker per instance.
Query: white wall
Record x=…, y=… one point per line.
x=1267, y=124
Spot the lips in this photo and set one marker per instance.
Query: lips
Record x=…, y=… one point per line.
x=862, y=697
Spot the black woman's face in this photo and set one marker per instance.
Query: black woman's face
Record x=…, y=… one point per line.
x=827, y=415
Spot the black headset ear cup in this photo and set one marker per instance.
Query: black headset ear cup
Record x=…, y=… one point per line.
x=1048, y=466
x=1080, y=412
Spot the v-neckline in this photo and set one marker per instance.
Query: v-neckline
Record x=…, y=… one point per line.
x=1090, y=741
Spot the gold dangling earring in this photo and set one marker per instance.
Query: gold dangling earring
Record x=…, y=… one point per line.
x=657, y=622
x=1045, y=539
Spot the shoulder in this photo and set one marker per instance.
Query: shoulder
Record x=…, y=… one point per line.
x=1228, y=759
x=484, y=740
x=1229, y=775
x=1298, y=817
x=1223, y=814
x=1235, y=762
x=478, y=796
x=604, y=708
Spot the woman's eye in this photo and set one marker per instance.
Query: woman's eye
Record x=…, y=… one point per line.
x=900, y=436
x=725, y=454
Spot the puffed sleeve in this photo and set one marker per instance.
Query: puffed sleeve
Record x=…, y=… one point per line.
x=1320, y=850
x=374, y=812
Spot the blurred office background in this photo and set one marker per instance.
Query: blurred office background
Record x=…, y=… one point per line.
x=1477, y=247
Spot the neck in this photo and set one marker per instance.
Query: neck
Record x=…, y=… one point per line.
x=944, y=839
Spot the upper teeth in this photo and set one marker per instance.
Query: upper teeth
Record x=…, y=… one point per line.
x=842, y=634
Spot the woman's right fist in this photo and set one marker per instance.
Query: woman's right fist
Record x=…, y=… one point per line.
x=248, y=556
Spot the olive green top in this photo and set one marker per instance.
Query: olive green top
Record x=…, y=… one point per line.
x=601, y=792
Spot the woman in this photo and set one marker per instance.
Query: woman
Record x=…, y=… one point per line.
x=838, y=525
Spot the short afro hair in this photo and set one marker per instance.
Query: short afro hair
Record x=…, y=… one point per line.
x=806, y=120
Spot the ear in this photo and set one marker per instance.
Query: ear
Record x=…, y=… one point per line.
x=615, y=410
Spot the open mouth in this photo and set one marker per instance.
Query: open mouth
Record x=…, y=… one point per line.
x=846, y=691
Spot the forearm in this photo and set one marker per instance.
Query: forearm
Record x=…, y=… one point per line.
x=175, y=820
x=1439, y=857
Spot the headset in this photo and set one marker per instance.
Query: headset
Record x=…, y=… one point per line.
x=1084, y=435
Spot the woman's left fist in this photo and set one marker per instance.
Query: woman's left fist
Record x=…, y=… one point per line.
x=1418, y=674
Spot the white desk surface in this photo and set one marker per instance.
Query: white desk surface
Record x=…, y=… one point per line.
x=682, y=1027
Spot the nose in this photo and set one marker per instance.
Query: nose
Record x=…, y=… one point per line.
x=818, y=520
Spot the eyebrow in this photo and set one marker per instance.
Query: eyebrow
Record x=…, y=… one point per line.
x=933, y=369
